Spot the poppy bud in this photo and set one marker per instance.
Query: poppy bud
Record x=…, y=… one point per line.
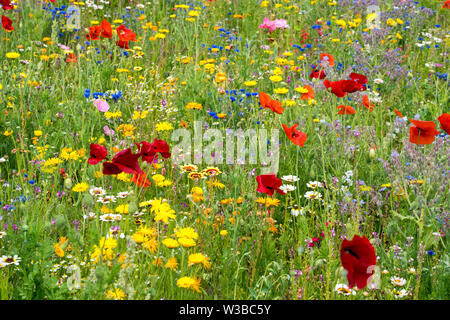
x=87, y=199
x=372, y=153
x=132, y=207
x=68, y=183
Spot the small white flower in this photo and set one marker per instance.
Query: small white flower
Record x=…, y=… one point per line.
x=9, y=260
x=378, y=81
x=399, y=294
x=287, y=188
x=124, y=194
x=106, y=199
x=97, y=191
x=314, y=184
x=342, y=288
x=399, y=282
x=313, y=195
x=290, y=178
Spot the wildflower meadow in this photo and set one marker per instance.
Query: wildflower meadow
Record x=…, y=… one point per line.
x=224, y=150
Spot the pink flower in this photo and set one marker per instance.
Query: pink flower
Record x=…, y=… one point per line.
x=101, y=105
x=108, y=131
x=275, y=24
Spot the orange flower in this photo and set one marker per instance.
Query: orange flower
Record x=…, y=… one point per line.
x=423, y=132
x=140, y=180
x=366, y=103
x=309, y=94
x=268, y=103
x=297, y=137
x=345, y=110
x=325, y=56
x=398, y=113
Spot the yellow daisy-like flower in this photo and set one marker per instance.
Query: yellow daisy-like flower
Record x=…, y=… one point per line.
x=223, y=233
x=196, y=175
x=123, y=209
x=80, y=187
x=170, y=243
x=164, y=126
x=198, y=258
x=191, y=283
x=12, y=55
x=172, y=263
x=116, y=294
x=275, y=78
x=194, y=105
x=281, y=90
x=186, y=242
x=250, y=83
x=187, y=232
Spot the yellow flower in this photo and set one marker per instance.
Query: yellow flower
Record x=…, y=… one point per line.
x=186, y=242
x=198, y=258
x=281, y=90
x=58, y=250
x=187, y=232
x=123, y=209
x=194, y=105
x=170, y=243
x=12, y=55
x=250, y=83
x=80, y=187
x=7, y=133
x=164, y=126
x=275, y=78
x=171, y=263
x=191, y=283
x=158, y=178
x=223, y=233
x=116, y=294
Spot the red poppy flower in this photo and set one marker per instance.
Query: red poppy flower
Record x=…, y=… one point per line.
x=268, y=103
x=309, y=94
x=125, y=35
x=97, y=153
x=336, y=87
x=94, y=33
x=359, y=259
x=359, y=78
x=345, y=110
x=140, y=180
x=106, y=29
x=146, y=151
x=123, y=161
x=444, y=120
x=7, y=23
x=269, y=183
x=446, y=5
x=72, y=58
x=366, y=103
x=398, y=113
x=297, y=137
x=162, y=147
x=6, y=4
x=423, y=132
x=316, y=74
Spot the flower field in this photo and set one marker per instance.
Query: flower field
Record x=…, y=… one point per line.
x=224, y=150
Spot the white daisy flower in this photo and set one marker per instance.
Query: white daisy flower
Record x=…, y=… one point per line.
x=399, y=294
x=290, y=178
x=342, y=288
x=314, y=184
x=399, y=282
x=8, y=260
x=106, y=199
x=287, y=188
x=313, y=195
x=97, y=191
x=123, y=195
